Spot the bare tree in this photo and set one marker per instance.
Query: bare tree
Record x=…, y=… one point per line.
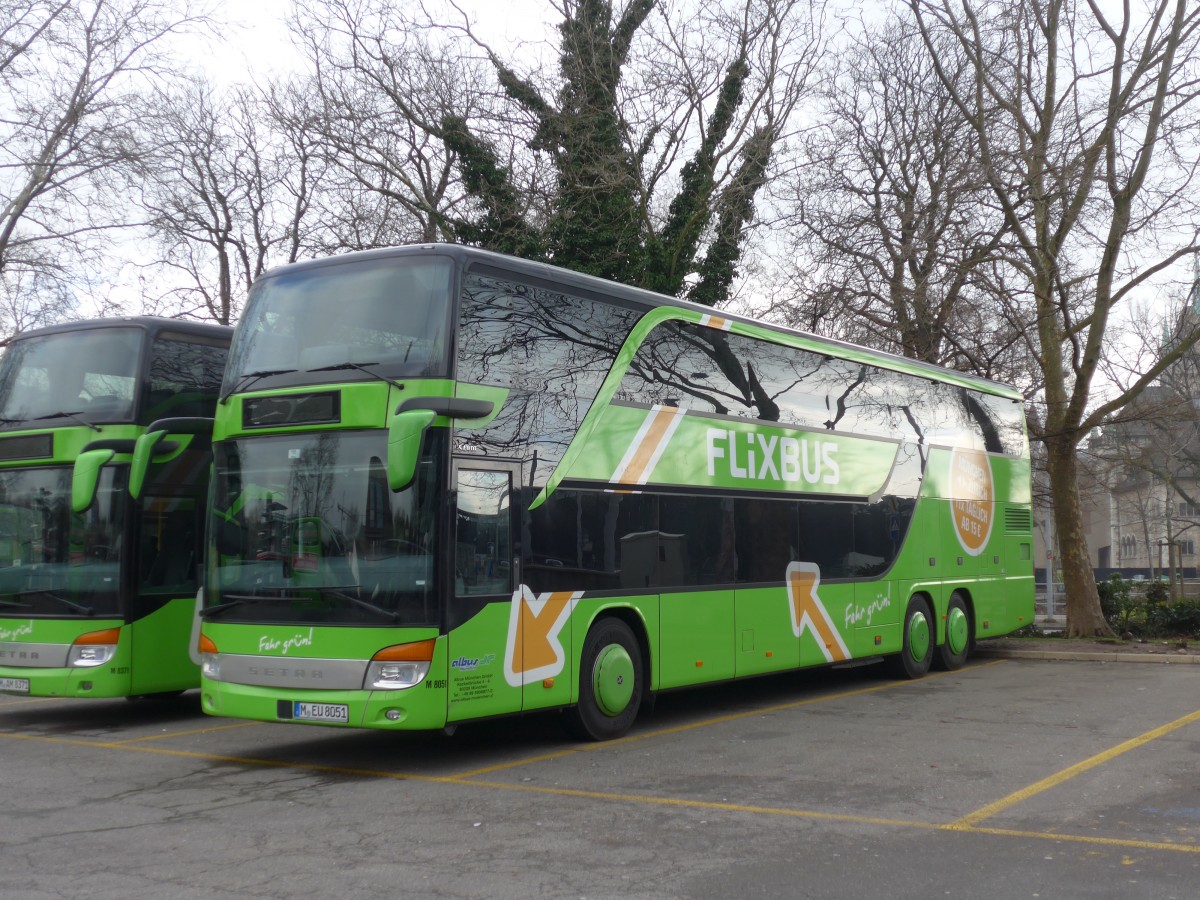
x=68, y=72
x=638, y=156
x=895, y=228
x=1086, y=129
x=229, y=192
x=379, y=84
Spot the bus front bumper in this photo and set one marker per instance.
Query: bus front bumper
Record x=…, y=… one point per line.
x=419, y=708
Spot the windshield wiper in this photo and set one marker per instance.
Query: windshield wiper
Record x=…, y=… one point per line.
x=248, y=378
x=239, y=599
x=42, y=592
x=14, y=603
x=362, y=367
x=67, y=415
x=341, y=594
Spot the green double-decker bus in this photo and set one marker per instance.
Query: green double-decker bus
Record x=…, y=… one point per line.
x=98, y=593
x=449, y=485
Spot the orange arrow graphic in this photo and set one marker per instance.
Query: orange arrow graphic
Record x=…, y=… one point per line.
x=534, y=650
x=809, y=612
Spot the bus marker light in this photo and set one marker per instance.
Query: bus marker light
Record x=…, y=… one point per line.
x=205, y=644
x=547, y=683
x=770, y=653
x=94, y=648
x=878, y=639
x=699, y=664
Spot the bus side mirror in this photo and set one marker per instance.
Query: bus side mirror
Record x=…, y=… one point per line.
x=153, y=447
x=86, y=477
x=407, y=428
x=405, y=432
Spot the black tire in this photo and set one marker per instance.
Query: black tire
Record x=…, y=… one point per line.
x=611, y=682
x=953, y=652
x=917, y=649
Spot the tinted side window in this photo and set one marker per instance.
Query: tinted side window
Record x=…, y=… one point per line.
x=698, y=541
x=185, y=377
x=552, y=350
x=592, y=540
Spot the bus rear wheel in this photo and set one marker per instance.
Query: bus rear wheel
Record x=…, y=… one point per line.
x=916, y=653
x=953, y=652
x=610, y=682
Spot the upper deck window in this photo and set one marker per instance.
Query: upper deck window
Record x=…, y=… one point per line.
x=387, y=314
x=90, y=375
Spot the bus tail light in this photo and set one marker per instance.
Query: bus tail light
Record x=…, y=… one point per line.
x=210, y=661
x=400, y=666
x=94, y=648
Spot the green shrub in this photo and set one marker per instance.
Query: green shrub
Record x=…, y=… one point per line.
x=1157, y=592
x=1180, y=619
x=1117, y=602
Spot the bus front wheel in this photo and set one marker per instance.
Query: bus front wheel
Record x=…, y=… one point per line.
x=610, y=682
x=916, y=652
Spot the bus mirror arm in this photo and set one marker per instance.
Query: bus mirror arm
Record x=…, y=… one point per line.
x=182, y=425
x=450, y=407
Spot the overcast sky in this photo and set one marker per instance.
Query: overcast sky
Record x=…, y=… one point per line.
x=256, y=39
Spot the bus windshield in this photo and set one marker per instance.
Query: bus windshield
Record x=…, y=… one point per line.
x=305, y=529
x=89, y=375
x=54, y=562
x=389, y=315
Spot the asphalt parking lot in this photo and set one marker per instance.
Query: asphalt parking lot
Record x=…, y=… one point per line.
x=1009, y=778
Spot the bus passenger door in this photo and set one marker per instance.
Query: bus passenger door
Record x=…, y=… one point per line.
x=168, y=533
x=480, y=680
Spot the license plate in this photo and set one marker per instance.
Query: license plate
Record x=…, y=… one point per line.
x=321, y=712
x=17, y=685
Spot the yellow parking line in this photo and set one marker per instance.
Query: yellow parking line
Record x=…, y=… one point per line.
x=25, y=701
x=1068, y=773
x=697, y=804
x=703, y=723
x=1086, y=839
x=174, y=734
x=682, y=803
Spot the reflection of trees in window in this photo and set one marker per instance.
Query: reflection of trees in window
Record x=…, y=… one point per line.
x=711, y=371
x=185, y=376
x=551, y=350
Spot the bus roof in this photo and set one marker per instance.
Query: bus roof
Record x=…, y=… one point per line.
x=153, y=324
x=640, y=297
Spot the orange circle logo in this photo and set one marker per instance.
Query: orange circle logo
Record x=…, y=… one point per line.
x=972, y=498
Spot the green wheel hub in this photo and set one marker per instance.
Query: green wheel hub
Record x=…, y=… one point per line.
x=918, y=636
x=612, y=679
x=957, y=630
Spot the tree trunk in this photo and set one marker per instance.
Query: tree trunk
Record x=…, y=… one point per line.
x=1084, y=618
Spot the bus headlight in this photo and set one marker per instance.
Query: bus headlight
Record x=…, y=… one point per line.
x=210, y=666
x=394, y=676
x=210, y=659
x=94, y=649
x=399, y=667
